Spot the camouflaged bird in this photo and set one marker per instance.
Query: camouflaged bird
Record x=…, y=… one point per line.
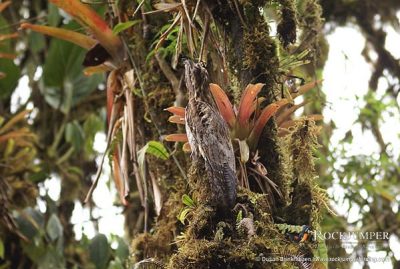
x=209, y=140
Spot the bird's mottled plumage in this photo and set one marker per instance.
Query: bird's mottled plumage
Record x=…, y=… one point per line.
x=209, y=139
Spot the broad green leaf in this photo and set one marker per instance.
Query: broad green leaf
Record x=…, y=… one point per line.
x=7, y=66
x=154, y=148
x=53, y=16
x=54, y=227
x=99, y=251
x=122, y=251
x=186, y=200
x=122, y=26
x=74, y=135
x=91, y=127
x=36, y=42
x=64, y=83
x=30, y=222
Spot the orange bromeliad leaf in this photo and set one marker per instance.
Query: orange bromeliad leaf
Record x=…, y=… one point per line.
x=176, y=119
x=86, y=16
x=246, y=103
x=265, y=115
x=91, y=70
x=4, y=5
x=256, y=104
x=79, y=39
x=176, y=110
x=305, y=88
x=177, y=138
x=223, y=104
x=10, y=56
x=8, y=36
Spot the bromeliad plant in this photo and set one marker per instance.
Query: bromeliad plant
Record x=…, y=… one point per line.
x=5, y=37
x=246, y=124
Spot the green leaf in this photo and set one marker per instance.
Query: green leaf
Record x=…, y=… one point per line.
x=122, y=251
x=7, y=66
x=53, y=16
x=30, y=222
x=74, y=135
x=186, y=200
x=183, y=214
x=239, y=217
x=54, y=228
x=155, y=148
x=91, y=127
x=1, y=249
x=36, y=42
x=122, y=26
x=64, y=83
x=99, y=251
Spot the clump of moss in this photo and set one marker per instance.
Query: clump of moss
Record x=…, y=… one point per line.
x=259, y=50
x=302, y=143
x=159, y=243
x=288, y=23
x=210, y=242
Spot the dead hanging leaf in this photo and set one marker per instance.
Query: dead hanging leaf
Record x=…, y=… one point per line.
x=157, y=196
x=164, y=7
x=119, y=184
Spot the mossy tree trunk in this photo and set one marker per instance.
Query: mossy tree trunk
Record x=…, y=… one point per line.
x=239, y=50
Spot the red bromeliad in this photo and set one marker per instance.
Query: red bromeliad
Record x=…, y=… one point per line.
x=246, y=124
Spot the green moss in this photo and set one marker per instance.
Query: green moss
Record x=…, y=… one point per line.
x=288, y=24
x=209, y=243
x=302, y=143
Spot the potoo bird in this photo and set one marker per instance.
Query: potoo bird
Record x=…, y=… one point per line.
x=209, y=139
